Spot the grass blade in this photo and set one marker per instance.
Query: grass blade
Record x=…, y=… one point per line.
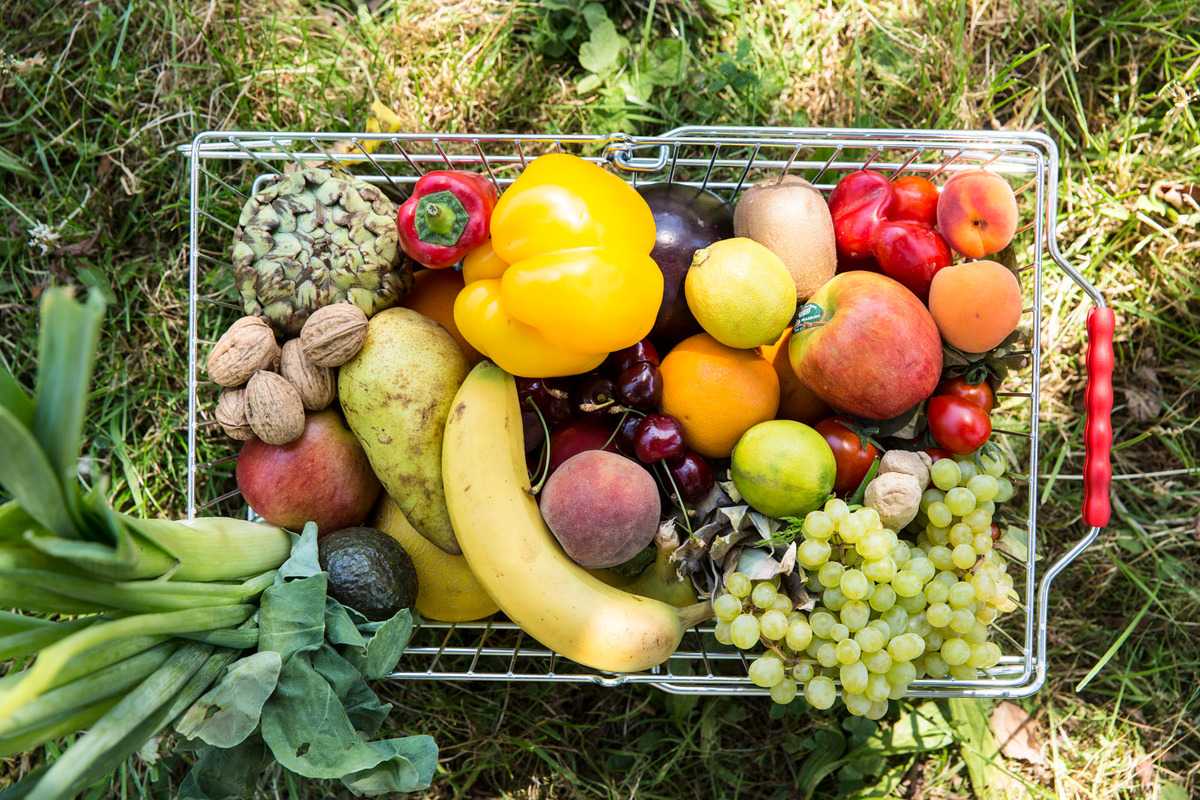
x=1112, y=650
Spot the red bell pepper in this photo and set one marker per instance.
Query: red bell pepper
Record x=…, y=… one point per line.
x=448, y=215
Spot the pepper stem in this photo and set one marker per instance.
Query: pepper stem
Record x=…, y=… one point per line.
x=440, y=219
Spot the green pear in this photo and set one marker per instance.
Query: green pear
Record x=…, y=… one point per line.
x=396, y=394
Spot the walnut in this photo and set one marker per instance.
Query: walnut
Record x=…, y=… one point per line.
x=231, y=414
x=274, y=409
x=316, y=385
x=333, y=334
x=248, y=346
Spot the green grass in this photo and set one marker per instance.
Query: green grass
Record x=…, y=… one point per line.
x=93, y=98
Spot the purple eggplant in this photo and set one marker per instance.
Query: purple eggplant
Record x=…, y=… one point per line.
x=687, y=219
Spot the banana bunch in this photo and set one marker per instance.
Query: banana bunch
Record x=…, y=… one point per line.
x=517, y=559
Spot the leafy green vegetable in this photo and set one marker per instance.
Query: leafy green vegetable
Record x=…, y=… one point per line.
x=320, y=712
x=229, y=711
x=168, y=607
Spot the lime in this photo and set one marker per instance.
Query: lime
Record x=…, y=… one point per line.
x=783, y=468
x=740, y=292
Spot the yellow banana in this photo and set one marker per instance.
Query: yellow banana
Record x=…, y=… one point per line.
x=517, y=559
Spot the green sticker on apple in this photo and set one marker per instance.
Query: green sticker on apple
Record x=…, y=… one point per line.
x=809, y=313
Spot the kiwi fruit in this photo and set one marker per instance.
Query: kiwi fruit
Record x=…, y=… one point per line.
x=789, y=216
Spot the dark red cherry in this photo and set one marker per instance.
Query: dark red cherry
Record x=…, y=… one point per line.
x=595, y=396
x=627, y=434
x=640, y=386
x=622, y=360
x=692, y=474
x=659, y=436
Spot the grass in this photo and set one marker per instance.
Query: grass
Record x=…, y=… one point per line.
x=93, y=97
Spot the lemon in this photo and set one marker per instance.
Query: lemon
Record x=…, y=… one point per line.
x=740, y=292
x=783, y=468
x=447, y=590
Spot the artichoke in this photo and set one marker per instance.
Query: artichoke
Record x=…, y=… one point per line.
x=314, y=238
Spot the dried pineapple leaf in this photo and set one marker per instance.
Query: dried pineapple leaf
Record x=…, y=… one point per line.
x=793, y=583
x=765, y=526
x=723, y=545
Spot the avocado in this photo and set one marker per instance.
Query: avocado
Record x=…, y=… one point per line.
x=368, y=571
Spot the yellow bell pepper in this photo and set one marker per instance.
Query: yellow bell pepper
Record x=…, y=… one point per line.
x=567, y=275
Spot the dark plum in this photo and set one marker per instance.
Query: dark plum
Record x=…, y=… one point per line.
x=692, y=474
x=640, y=386
x=686, y=219
x=659, y=436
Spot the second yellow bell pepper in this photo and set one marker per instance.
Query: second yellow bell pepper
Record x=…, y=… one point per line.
x=567, y=276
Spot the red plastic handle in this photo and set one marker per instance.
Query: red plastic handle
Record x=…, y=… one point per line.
x=1097, y=436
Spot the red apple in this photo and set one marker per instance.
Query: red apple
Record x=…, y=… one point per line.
x=322, y=477
x=874, y=351
x=911, y=253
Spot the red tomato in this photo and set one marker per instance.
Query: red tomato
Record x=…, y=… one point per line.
x=916, y=200
x=958, y=425
x=852, y=455
x=979, y=394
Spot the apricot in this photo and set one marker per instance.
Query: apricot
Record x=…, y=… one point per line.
x=796, y=401
x=975, y=305
x=977, y=213
x=602, y=507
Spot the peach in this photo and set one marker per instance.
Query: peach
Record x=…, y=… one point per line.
x=975, y=305
x=602, y=507
x=977, y=213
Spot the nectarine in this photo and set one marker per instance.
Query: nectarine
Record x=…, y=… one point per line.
x=977, y=213
x=975, y=305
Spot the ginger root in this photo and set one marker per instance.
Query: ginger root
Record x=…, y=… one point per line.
x=916, y=464
x=895, y=496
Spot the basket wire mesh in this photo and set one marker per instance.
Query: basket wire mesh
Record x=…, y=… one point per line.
x=228, y=167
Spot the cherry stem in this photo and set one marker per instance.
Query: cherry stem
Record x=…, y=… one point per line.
x=677, y=499
x=543, y=469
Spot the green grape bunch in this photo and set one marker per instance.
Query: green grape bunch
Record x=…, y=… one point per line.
x=889, y=610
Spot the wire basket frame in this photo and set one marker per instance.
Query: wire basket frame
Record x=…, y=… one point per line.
x=227, y=168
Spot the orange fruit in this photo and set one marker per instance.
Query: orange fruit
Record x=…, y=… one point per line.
x=796, y=401
x=717, y=392
x=447, y=590
x=433, y=294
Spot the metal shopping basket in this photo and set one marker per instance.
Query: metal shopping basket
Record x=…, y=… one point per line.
x=225, y=168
